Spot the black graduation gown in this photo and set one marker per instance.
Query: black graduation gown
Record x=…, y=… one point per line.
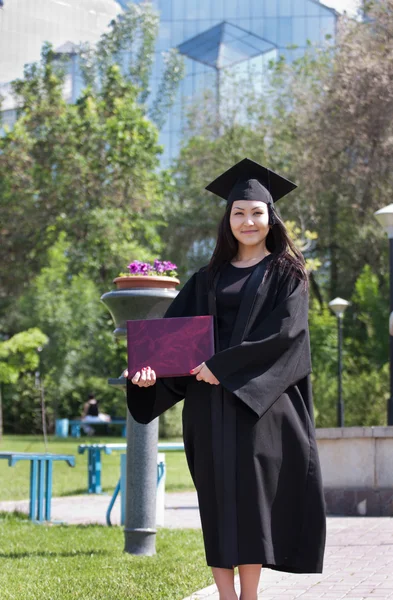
x=250, y=441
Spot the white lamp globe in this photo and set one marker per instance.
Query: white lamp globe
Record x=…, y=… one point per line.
x=384, y=217
x=338, y=306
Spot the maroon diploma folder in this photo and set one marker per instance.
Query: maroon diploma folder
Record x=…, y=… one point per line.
x=171, y=347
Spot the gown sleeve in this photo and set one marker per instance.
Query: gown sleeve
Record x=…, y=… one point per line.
x=147, y=403
x=274, y=356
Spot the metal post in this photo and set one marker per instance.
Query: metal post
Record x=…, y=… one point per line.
x=97, y=470
x=123, y=479
x=340, y=404
x=33, y=489
x=91, y=479
x=48, y=489
x=141, y=484
x=390, y=400
x=41, y=488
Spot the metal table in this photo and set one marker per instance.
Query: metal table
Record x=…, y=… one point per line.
x=41, y=470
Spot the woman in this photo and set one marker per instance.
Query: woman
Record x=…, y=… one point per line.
x=248, y=422
x=92, y=414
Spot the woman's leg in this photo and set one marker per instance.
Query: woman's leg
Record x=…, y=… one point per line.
x=225, y=579
x=249, y=580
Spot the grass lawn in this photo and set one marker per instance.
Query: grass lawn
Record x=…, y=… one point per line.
x=88, y=563
x=69, y=481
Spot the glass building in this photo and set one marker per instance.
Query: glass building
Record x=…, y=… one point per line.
x=215, y=37
x=232, y=35
x=26, y=24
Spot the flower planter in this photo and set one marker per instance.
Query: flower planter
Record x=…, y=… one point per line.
x=138, y=302
x=146, y=281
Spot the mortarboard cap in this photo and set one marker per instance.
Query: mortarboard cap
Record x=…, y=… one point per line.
x=248, y=180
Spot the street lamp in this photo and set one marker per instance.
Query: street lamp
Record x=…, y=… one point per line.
x=385, y=218
x=338, y=306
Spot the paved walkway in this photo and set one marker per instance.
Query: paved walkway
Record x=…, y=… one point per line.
x=358, y=559
x=181, y=510
x=358, y=566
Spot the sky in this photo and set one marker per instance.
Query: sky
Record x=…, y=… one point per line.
x=340, y=5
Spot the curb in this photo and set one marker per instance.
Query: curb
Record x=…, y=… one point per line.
x=209, y=592
x=205, y=593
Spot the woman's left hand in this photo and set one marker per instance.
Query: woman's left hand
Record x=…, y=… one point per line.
x=203, y=373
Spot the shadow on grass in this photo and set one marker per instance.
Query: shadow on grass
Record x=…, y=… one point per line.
x=14, y=515
x=83, y=492
x=75, y=492
x=49, y=554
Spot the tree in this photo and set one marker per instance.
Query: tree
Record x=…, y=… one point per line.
x=89, y=169
x=18, y=354
x=343, y=122
x=80, y=350
x=130, y=44
x=80, y=197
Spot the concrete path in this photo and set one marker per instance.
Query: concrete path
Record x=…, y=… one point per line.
x=181, y=509
x=358, y=566
x=358, y=559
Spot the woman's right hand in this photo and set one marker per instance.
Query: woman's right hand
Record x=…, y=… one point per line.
x=144, y=378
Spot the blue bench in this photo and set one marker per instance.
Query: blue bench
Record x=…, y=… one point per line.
x=76, y=424
x=41, y=470
x=94, y=465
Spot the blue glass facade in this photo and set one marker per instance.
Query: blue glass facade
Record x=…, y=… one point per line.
x=279, y=23
x=214, y=35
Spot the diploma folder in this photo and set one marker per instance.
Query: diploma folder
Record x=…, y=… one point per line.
x=171, y=347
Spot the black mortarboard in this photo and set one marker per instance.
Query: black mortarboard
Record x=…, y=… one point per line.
x=248, y=180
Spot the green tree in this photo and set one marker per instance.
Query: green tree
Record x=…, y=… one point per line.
x=76, y=168
x=81, y=350
x=130, y=44
x=89, y=169
x=18, y=354
x=365, y=356
x=80, y=196
x=341, y=110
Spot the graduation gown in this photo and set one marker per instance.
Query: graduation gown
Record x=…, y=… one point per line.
x=250, y=441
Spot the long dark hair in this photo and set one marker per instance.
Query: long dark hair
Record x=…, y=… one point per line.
x=278, y=242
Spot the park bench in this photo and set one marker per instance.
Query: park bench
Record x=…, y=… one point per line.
x=41, y=470
x=76, y=424
x=94, y=464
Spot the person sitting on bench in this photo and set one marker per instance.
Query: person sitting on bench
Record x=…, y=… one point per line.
x=91, y=414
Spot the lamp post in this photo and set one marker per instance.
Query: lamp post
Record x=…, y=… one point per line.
x=385, y=217
x=338, y=306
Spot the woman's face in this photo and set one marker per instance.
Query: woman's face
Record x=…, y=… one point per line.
x=249, y=221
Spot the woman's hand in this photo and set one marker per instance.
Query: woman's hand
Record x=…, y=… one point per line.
x=203, y=373
x=144, y=378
